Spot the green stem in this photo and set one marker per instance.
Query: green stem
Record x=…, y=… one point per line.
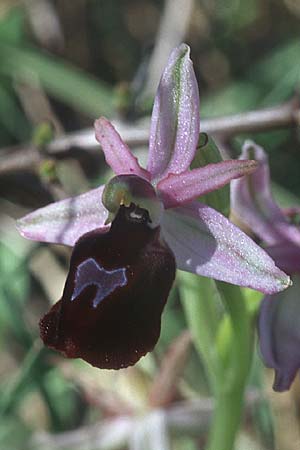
x=226, y=420
x=231, y=385
x=198, y=296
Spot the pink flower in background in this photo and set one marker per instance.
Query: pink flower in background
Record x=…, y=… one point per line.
x=120, y=274
x=252, y=203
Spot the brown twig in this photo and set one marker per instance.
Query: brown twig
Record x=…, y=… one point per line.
x=18, y=158
x=282, y=116
x=173, y=28
x=165, y=383
x=285, y=115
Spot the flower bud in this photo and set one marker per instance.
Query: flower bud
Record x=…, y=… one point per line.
x=279, y=333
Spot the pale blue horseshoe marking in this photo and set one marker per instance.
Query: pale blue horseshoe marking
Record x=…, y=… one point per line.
x=89, y=273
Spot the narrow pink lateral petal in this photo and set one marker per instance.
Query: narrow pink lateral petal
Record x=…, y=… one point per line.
x=206, y=243
x=286, y=255
x=65, y=221
x=176, y=190
x=175, y=118
x=253, y=204
x=117, y=154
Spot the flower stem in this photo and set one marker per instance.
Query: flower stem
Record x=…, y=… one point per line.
x=231, y=383
x=226, y=420
x=199, y=304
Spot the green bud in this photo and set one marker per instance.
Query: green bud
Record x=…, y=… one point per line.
x=207, y=153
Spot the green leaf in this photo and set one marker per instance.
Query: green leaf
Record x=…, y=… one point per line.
x=58, y=78
x=14, y=434
x=12, y=26
x=14, y=391
x=14, y=285
x=11, y=116
x=236, y=97
x=63, y=400
x=284, y=76
x=208, y=153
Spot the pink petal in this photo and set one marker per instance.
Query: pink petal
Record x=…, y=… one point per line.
x=253, y=204
x=175, y=118
x=178, y=189
x=117, y=154
x=65, y=221
x=206, y=243
x=286, y=255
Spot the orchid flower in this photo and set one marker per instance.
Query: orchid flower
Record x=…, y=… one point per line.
x=252, y=204
x=130, y=235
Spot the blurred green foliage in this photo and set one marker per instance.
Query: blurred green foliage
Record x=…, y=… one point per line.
x=246, y=56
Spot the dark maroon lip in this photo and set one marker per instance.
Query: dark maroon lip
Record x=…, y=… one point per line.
x=116, y=289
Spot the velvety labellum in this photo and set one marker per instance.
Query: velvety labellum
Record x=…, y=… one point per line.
x=115, y=292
